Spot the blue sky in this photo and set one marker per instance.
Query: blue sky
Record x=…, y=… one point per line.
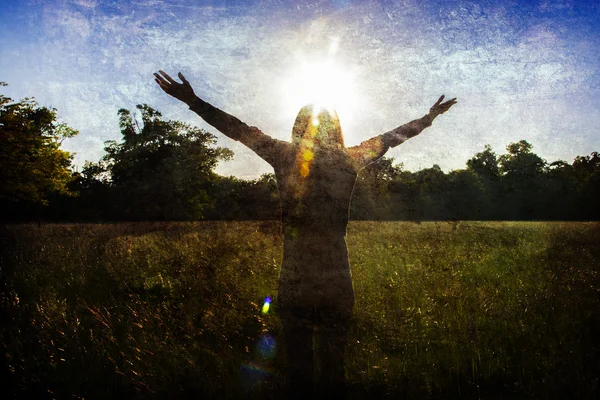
x=520, y=69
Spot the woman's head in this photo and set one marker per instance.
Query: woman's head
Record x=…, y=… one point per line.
x=317, y=127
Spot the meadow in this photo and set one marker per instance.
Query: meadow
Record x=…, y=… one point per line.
x=487, y=310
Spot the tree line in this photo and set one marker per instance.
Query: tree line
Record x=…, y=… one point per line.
x=164, y=170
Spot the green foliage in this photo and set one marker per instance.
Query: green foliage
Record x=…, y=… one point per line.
x=587, y=178
x=443, y=310
x=147, y=309
x=32, y=165
x=162, y=170
x=371, y=196
x=517, y=185
x=239, y=199
x=472, y=310
x=485, y=164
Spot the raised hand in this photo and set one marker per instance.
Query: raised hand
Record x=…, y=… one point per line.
x=440, y=108
x=181, y=91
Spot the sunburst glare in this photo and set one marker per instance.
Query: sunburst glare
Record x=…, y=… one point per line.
x=324, y=83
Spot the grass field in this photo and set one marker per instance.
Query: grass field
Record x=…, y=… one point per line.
x=443, y=310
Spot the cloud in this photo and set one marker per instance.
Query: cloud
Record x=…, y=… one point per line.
x=86, y=3
x=517, y=74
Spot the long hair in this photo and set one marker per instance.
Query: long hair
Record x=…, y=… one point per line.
x=317, y=136
x=318, y=127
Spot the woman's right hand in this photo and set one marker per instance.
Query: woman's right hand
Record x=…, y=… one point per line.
x=181, y=91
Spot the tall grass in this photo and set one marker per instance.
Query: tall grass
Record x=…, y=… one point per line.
x=443, y=310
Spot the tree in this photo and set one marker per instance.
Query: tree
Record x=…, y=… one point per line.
x=522, y=181
x=586, y=171
x=371, y=196
x=466, y=198
x=32, y=165
x=520, y=161
x=406, y=197
x=434, y=187
x=560, y=192
x=161, y=170
x=485, y=166
x=239, y=199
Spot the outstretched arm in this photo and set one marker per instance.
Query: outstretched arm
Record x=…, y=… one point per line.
x=373, y=149
x=266, y=147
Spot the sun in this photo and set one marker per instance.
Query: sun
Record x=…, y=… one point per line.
x=324, y=83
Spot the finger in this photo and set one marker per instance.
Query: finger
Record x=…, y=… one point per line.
x=446, y=106
x=162, y=85
x=439, y=100
x=171, y=80
x=180, y=75
x=160, y=79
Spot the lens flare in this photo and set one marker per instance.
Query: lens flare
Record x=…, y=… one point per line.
x=304, y=169
x=257, y=370
x=308, y=155
x=266, y=305
x=324, y=82
x=267, y=347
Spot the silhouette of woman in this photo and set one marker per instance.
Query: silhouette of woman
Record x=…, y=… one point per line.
x=315, y=177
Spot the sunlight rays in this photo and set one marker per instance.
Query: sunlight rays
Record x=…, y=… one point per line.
x=322, y=82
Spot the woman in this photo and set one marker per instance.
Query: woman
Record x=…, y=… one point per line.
x=315, y=177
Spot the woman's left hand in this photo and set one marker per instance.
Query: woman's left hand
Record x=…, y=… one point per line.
x=440, y=108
